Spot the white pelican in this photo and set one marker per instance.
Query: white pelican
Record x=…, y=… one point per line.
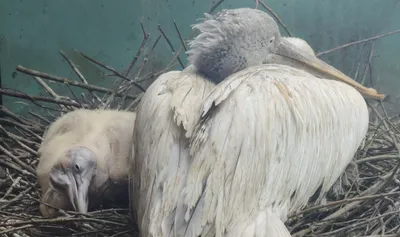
x=237, y=160
x=84, y=160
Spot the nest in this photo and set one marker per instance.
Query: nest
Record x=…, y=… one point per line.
x=363, y=202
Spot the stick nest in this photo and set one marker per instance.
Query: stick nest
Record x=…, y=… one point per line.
x=363, y=202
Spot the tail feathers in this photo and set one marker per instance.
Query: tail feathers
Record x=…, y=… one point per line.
x=266, y=224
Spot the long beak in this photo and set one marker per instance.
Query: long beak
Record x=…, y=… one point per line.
x=287, y=53
x=78, y=194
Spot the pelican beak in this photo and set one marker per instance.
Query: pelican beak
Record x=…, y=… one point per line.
x=78, y=194
x=288, y=54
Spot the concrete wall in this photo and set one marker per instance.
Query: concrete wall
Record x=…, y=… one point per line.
x=32, y=33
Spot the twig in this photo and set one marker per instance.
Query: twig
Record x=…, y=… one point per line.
x=79, y=74
x=116, y=73
x=38, y=98
x=335, y=203
x=275, y=16
x=145, y=59
x=15, y=229
x=180, y=36
x=170, y=45
x=52, y=93
x=16, y=160
x=368, y=65
x=212, y=9
x=11, y=136
x=358, y=42
x=361, y=56
x=141, y=48
x=61, y=220
x=17, y=198
x=63, y=80
x=39, y=117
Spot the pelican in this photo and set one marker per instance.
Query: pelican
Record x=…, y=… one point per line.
x=301, y=45
x=84, y=160
x=245, y=135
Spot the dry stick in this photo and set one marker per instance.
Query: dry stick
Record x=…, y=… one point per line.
x=63, y=80
x=377, y=158
x=25, y=128
x=116, y=73
x=11, y=188
x=360, y=223
x=79, y=74
x=152, y=75
x=170, y=45
x=73, y=94
x=39, y=117
x=146, y=58
x=51, y=92
x=369, y=63
x=61, y=220
x=359, y=61
x=170, y=65
x=15, y=199
x=136, y=101
x=25, y=147
x=14, y=116
x=180, y=36
x=212, y=9
x=15, y=167
x=373, y=189
x=275, y=16
x=15, y=229
x=140, y=50
x=335, y=203
x=17, y=160
x=38, y=98
x=358, y=42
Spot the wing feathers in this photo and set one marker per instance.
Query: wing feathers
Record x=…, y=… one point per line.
x=269, y=136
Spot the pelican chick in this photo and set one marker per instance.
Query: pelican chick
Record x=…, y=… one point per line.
x=83, y=160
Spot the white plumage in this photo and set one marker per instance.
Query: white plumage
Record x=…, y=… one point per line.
x=84, y=159
x=234, y=159
x=300, y=44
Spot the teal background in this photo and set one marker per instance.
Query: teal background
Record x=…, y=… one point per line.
x=33, y=32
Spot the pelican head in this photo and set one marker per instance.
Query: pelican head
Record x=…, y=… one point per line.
x=238, y=38
x=73, y=175
x=300, y=44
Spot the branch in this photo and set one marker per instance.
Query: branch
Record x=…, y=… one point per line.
x=39, y=98
x=358, y=42
x=116, y=73
x=170, y=45
x=143, y=44
x=65, y=80
x=275, y=16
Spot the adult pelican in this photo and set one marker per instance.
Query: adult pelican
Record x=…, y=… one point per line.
x=234, y=157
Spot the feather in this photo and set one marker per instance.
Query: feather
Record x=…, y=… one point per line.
x=106, y=133
x=294, y=120
x=161, y=158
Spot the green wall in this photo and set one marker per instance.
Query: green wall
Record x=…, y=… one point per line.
x=32, y=33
